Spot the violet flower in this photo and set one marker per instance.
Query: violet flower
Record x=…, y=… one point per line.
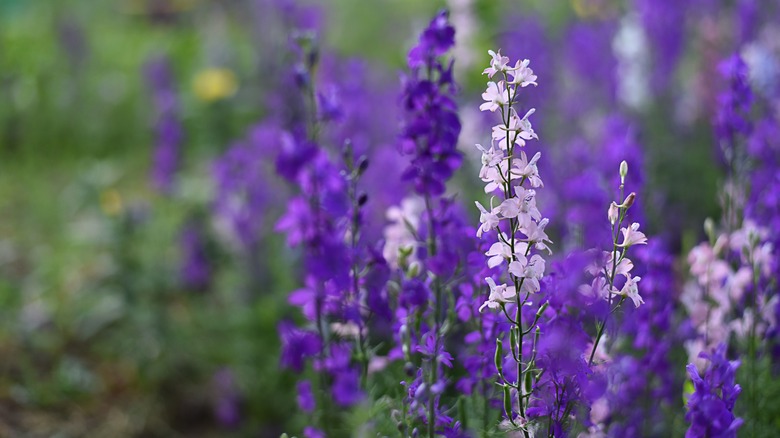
x=169, y=132
x=711, y=406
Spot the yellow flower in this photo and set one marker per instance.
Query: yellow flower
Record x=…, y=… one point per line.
x=111, y=202
x=590, y=8
x=214, y=84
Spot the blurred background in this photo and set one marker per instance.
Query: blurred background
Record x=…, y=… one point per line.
x=141, y=282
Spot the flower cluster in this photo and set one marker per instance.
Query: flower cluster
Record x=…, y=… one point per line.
x=711, y=406
x=517, y=223
x=431, y=127
x=168, y=127
x=727, y=269
x=428, y=240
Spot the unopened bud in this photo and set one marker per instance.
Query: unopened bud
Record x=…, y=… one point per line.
x=507, y=401
x=362, y=199
x=709, y=227
x=498, y=359
x=542, y=309
x=613, y=212
x=362, y=164
x=629, y=201
x=623, y=171
x=414, y=269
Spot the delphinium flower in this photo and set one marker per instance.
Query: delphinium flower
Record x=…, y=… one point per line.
x=591, y=163
x=517, y=226
x=732, y=118
x=591, y=85
x=711, y=406
x=324, y=220
x=730, y=300
x=664, y=23
x=429, y=138
x=195, y=268
x=612, y=277
x=242, y=192
x=169, y=132
x=644, y=368
x=733, y=300
x=763, y=203
x=227, y=403
x=567, y=387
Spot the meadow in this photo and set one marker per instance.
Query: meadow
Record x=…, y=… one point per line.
x=345, y=218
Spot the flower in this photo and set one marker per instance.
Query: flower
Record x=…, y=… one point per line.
x=522, y=75
x=522, y=129
x=631, y=290
x=632, y=236
x=523, y=168
x=490, y=158
x=214, y=84
x=499, y=294
x=498, y=64
x=613, y=212
x=495, y=97
x=487, y=219
x=499, y=252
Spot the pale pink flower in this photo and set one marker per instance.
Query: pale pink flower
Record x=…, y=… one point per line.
x=490, y=158
x=498, y=252
x=498, y=64
x=631, y=290
x=613, y=213
x=632, y=236
x=522, y=75
x=495, y=97
x=523, y=168
x=520, y=130
x=493, y=178
x=537, y=236
x=487, y=219
x=499, y=294
x=598, y=288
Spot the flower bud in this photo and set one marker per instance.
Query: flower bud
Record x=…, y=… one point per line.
x=629, y=201
x=498, y=358
x=623, y=171
x=709, y=228
x=362, y=199
x=542, y=309
x=362, y=164
x=613, y=212
x=507, y=401
x=414, y=269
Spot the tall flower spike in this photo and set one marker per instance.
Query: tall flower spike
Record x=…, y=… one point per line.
x=514, y=176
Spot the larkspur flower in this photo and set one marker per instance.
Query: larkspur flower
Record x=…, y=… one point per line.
x=487, y=219
x=499, y=294
x=498, y=64
x=522, y=75
x=632, y=236
x=496, y=96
